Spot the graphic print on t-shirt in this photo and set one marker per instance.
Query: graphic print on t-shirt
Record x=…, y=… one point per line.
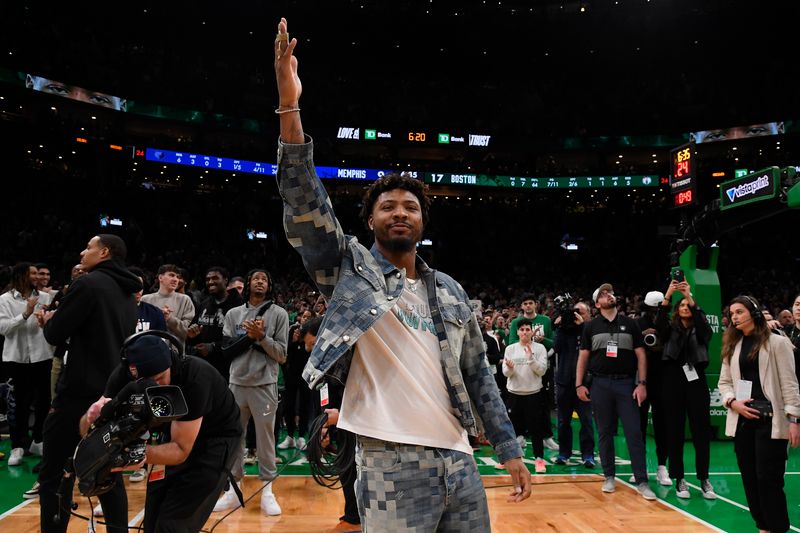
x=414, y=313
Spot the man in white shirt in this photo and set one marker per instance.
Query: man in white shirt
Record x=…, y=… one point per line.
x=27, y=357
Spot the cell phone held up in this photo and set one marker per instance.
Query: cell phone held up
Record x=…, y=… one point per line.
x=677, y=275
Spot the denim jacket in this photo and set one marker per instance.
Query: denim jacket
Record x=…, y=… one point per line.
x=361, y=285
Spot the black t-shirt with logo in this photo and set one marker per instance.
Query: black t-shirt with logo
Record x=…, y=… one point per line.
x=625, y=332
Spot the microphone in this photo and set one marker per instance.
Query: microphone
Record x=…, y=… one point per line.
x=738, y=325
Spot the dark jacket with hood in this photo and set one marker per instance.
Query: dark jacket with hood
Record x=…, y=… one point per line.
x=96, y=315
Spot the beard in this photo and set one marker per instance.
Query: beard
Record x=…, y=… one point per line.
x=398, y=244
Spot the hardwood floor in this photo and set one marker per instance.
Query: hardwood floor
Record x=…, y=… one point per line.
x=558, y=504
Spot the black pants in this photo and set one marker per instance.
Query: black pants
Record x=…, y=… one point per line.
x=61, y=436
x=183, y=500
x=31, y=387
x=298, y=402
x=655, y=399
x=684, y=398
x=762, y=462
x=567, y=401
x=348, y=480
x=549, y=389
x=525, y=412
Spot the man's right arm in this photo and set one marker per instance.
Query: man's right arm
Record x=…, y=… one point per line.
x=311, y=226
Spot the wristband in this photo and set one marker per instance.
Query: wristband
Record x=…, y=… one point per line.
x=579, y=386
x=642, y=382
x=729, y=402
x=793, y=419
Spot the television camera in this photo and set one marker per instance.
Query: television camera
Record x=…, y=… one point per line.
x=118, y=437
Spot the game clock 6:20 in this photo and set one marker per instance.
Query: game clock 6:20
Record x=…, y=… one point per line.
x=417, y=136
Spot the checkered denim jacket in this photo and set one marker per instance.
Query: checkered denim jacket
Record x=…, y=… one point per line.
x=361, y=285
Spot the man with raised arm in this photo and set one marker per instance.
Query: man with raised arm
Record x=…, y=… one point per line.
x=400, y=336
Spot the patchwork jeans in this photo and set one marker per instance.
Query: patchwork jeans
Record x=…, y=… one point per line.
x=409, y=488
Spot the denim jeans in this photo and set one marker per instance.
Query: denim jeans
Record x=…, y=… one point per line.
x=405, y=488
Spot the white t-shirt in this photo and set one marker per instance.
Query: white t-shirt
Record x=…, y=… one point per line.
x=395, y=390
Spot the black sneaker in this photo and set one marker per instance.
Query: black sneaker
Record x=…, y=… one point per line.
x=589, y=463
x=560, y=461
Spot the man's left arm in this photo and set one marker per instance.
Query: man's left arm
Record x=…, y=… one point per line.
x=640, y=392
x=177, y=450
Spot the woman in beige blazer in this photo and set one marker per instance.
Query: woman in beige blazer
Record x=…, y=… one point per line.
x=759, y=387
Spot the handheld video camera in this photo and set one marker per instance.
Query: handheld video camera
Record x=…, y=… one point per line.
x=564, y=305
x=118, y=437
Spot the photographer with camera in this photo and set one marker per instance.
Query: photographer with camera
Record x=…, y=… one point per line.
x=685, y=335
x=654, y=349
x=569, y=327
x=192, y=462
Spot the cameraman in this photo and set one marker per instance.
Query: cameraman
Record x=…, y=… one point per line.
x=198, y=449
x=566, y=345
x=655, y=397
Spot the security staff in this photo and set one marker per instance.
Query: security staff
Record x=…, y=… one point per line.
x=613, y=348
x=191, y=465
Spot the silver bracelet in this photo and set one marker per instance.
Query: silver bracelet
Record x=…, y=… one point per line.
x=280, y=111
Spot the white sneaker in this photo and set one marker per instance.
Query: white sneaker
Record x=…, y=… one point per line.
x=550, y=444
x=632, y=479
x=288, y=442
x=32, y=493
x=138, y=475
x=15, y=459
x=301, y=443
x=610, y=484
x=98, y=510
x=228, y=500
x=36, y=448
x=521, y=441
x=662, y=476
x=268, y=502
x=646, y=492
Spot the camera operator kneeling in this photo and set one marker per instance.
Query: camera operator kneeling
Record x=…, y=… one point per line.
x=190, y=466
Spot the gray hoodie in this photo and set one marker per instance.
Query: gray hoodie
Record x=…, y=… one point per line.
x=254, y=368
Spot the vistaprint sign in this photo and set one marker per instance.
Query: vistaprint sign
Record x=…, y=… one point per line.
x=753, y=187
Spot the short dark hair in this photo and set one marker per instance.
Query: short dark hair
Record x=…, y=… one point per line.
x=222, y=271
x=524, y=322
x=311, y=326
x=40, y=266
x=115, y=244
x=390, y=182
x=163, y=269
x=528, y=296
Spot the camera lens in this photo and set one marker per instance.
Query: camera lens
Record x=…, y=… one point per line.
x=650, y=339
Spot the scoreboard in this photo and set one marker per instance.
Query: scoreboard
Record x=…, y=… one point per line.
x=682, y=181
x=420, y=137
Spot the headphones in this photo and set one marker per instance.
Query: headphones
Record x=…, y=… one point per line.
x=755, y=312
x=175, y=345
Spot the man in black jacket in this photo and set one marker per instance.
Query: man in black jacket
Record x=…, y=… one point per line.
x=567, y=345
x=96, y=315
